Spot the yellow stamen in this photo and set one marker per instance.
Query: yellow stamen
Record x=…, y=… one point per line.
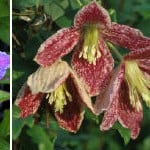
x=138, y=84
x=59, y=97
x=90, y=50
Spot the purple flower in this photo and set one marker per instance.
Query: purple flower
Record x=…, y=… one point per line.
x=4, y=63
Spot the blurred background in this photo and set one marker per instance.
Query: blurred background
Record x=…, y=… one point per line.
x=33, y=22
x=5, y=81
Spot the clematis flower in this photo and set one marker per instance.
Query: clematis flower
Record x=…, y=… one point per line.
x=91, y=59
x=128, y=86
x=4, y=63
x=59, y=85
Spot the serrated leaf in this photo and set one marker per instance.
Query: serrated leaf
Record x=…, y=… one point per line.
x=4, y=145
x=124, y=132
x=5, y=125
x=4, y=96
x=40, y=137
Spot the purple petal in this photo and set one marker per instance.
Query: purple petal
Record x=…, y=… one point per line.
x=4, y=63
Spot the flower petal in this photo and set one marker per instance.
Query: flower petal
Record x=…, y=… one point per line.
x=110, y=100
x=93, y=76
x=126, y=37
x=57, y=46
x=144, y=64
x=4, y=63
x=2, y=73
x=121, y=110
x=72, y=116
x=4, y=60
x=47, y=79
x=128, y=116
x=111, y=93
x=140, y=54
x=92, y=13
x=28, y=102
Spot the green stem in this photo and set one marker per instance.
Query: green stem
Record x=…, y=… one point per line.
x=79, y=2
x=115, y=50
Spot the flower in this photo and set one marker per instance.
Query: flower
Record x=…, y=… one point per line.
x=128, y=86
x=91, y=59
x=60, y=87
x=4, y=63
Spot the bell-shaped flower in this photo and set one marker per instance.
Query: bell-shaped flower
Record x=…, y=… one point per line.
x=128, y=86
x=91, y=59
x=4, y=63
x=59, y=86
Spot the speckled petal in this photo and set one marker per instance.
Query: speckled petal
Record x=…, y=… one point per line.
x=128, y=116
x=140, y=54
x=121, y=110
x=72, y=116
x=104, y=100
x=144, y=64
x=28, y=102
x=57, y=46
x=126, y=37
x=93, y=76
x=110, y=100
x=47, y=79
x=92, y=13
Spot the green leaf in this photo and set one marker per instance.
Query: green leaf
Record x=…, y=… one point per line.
x=4, y=145
x=54, y=7
x=6, y=78
x=4, y=8
x=19, y=123
x=21, y=4
x=124, y=132
x=4, y=96
x=144, y=27
x=4, y=21
x=5, y=124
x=40, y=137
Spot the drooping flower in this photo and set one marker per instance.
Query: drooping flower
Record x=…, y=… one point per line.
x=129, y=85
x=59, y=85
x=4, y=63
x=91, y=58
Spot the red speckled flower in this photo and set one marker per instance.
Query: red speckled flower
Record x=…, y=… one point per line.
x=129, y=85
x=63, y=91
x=91, y=58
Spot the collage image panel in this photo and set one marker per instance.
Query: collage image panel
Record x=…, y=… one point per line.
x=4, y=75
x=80, y=75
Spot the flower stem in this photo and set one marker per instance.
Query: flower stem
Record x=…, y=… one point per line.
x=115, y=50
x=79, y=2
